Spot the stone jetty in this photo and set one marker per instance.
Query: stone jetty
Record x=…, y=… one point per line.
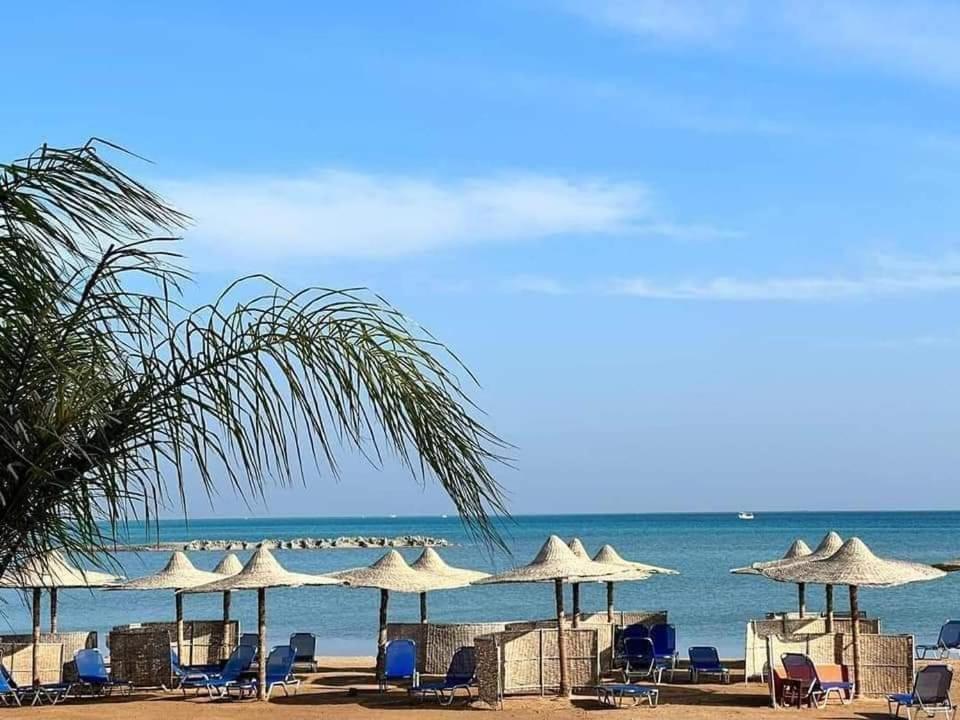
x=298, y=544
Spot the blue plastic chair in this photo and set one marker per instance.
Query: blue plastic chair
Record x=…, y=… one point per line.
x=664, y=638
x=461, y=674
x=930, y=695
x=705, y=660
x=947, y=640
x=399, y=663
x=304, y=649
x=92, y=673
x=639, y=660
x=220, y=682
x=621, y=635
x=279, y=670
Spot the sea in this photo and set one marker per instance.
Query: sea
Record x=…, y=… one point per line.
x=708, y=605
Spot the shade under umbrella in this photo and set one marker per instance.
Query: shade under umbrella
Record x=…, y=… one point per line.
x=430, y=562
x=854, y=565
x=179, y=573
x=391, y=573
x=555, y=562
x=628, y=571
x=262, y=571
x=51, y=572
x=229, y=565
x=798, y=549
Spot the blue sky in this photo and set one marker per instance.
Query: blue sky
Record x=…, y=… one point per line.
x=701, y=255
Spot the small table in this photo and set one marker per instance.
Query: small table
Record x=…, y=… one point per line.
x=613, y=695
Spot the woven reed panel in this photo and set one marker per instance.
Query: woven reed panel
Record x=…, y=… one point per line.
x=488, y=669
x=886, y=662
x=204, y=641
x=18, y=659
x=71, y=641
x=142, y=656
x=755, y=645
x=442, y=641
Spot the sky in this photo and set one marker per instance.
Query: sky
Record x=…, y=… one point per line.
x=701, y=256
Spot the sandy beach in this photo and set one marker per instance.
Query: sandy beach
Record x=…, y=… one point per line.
x=326, y=694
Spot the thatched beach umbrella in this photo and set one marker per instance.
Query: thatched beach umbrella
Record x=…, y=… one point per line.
x=628, y=571
x=830, y=543
x=262, y=571
x=430, y=562
x=798, y=549
x=555, y=562
x=856, y=566
x=178, y=574
x=52, y=572
x=229, y=565
x=391, y=573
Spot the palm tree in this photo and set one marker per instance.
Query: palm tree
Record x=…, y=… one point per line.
x=112, y=392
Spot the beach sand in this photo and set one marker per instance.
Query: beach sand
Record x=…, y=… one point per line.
x=325, y=695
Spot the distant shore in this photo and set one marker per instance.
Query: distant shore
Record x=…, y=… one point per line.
x=339, y=543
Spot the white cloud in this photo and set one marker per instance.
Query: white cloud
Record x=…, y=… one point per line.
x=890, y=277
x=917, y=38
x=340, y=214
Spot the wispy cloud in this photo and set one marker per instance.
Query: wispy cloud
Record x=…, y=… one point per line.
x=340, y=214
x=916, y=38
x=890, y=277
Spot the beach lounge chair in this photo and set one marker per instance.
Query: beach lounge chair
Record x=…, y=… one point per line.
x=805, y=684
x=461, y=674
x=399, y=663
x=180, y=672
x=639, y=660
x=931, y=694
x=220, y=683
x=621, y=635
x=51, y=692
x=279, y=674
x=949, y=639
x=705, y=660
x=305, y=649
x=612, y=694
x=664, y=638
x=92, y=674
x=251, y=640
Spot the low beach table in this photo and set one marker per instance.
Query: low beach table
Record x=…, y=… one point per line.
x=612, y=695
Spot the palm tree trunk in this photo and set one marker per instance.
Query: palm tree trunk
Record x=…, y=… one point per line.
x=609, y=602
x=423, y=607
x=576, y=604
x=561, y=641
x=37, y=594
x=262, y=643
x=855, y=619
x=829, y=622
x=184, y=660
x=53, y=610
x=225, y=648
x=382, y=633
x=802, y=598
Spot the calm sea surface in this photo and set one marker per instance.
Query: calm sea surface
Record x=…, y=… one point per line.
x=707, y=603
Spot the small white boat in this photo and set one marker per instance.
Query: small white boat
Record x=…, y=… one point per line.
x=745, y=516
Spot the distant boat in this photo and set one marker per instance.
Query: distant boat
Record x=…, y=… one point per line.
x=745, y=516
x=393, y=516
x=443, y=516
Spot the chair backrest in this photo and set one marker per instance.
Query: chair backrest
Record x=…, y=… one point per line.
x=703, y=656
x=950, y=634
x=304, y=646
x=400, y=659
x=932, y=684
x=463, y=665
x=175, y=663
x=239, y=662
x=249, y=640
x=799, y=667
x=7, y=683
x=664, y=637
x=90, y=665
x=638, y=647
x=280, y=662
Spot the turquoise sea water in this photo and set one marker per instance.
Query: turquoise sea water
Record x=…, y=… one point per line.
x=707, y=603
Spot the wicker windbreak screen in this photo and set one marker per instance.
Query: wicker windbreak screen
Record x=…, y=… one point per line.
x=142, y=656
x=205, y=642
x=18, y=659
x=437, y=643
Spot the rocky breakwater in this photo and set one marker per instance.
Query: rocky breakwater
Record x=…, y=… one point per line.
x=301, y=543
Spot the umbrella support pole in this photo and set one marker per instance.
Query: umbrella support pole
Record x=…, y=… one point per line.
x=382, y=634
x=37, y=595
x=262, y=643
x=561, y=641
x=829, y=622
x=423, y=607
x=53, y=610
x=802, y=598
x=855, y=620
x=609, y=602
x=179, y=601
x=225, y=647
x=576, y=604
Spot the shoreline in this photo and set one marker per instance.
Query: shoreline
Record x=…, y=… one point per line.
x=339, y=543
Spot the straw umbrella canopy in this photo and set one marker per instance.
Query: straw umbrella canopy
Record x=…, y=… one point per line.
x=179, y=573
x=229, y=565
x=854, y=565
x=555, y=562
x=628, y=571
x=431, y=563
x=262, y=571
x=391, y=573
x=798, y=549
x=51, y=572
x=830, y=543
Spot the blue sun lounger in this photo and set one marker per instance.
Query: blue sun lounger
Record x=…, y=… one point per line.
x=930, y=695
x=219, y=683
x=51, y=692
x=947, y=640
x=461, y=675
x=705, y=660
x=92, y=674
x=399, y=663
x=612, y=695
